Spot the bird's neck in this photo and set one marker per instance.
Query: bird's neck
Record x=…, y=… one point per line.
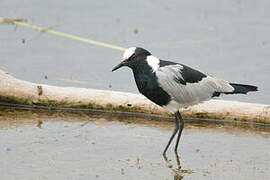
x=143, y=75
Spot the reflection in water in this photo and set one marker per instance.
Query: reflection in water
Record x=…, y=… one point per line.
x=11, y=118
x=177, y=160
x=86, y=141
x=178, y=171
x=39, y=123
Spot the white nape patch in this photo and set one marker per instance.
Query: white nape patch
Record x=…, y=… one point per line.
x=128, y=53
x=153, y=62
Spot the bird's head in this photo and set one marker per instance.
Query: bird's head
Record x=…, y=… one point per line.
x=132, y=56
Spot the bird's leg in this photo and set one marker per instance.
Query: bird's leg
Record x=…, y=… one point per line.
x=181, y=126
x=173, y=134
x=177, y=160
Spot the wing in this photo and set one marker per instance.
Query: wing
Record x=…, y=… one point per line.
x=188, y=86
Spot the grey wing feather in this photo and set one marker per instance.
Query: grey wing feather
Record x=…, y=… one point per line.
x=170, y=78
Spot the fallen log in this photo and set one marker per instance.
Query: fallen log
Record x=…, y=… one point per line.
x=17, y=91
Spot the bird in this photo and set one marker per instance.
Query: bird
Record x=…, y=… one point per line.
x=174, y=85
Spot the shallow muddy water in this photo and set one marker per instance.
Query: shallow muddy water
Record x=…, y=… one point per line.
x=227, y=39
x=47, y=145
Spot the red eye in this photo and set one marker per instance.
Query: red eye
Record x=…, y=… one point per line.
x=133, y=57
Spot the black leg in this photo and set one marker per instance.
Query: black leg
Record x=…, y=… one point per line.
x=173, y=134
x=181, y=124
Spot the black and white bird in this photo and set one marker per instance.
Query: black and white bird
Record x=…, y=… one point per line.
x=173, y=85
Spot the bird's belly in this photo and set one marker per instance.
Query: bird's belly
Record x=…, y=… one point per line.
x=174, y=105
x=184, y=98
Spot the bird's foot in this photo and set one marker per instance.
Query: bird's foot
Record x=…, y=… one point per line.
x=165, y=157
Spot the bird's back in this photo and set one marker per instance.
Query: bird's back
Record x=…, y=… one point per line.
x=187, y=86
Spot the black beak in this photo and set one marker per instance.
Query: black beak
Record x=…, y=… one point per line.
x=123, y=63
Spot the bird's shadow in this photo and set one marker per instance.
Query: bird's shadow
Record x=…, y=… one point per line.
x=177, y=171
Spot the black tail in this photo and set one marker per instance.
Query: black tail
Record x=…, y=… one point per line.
x=238, y=89
x=242, y=88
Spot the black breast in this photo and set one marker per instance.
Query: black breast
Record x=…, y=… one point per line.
x=147, y=85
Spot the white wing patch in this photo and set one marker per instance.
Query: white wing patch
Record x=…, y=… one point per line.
x=128, y=53
x=173, y=71
x=153, y=62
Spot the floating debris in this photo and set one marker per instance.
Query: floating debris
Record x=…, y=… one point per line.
x=43, y=30
x=11, y=21
x=138, y=162
x=187, y=171
x=40, y=91
x=40, y=122
x=71, y=80
x=122, y=171
x=135, y=31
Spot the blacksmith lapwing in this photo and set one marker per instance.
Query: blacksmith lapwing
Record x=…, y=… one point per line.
x=174, y=85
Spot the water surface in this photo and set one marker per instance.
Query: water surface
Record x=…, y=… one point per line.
x=47, y=145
